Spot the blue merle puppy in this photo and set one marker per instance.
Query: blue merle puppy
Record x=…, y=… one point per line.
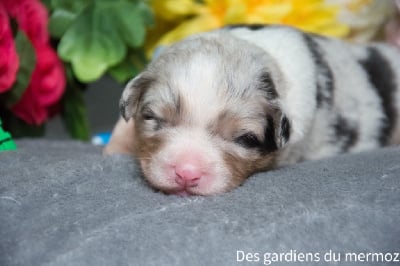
x=217, y=107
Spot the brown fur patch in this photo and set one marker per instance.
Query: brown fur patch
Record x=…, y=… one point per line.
x=227, y=123
x=241, y=168
x=145, y=146
x=171, y=115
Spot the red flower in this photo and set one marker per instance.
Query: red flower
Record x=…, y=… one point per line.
x=48, y=81
x=31, y=17
x=45, y=89
x=9, y=59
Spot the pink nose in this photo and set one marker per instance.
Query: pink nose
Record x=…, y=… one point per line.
x=188, y=174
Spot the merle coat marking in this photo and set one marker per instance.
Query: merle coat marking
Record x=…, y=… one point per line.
x=217, y=107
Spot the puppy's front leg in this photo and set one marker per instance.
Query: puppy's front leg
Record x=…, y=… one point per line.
x=121, y=141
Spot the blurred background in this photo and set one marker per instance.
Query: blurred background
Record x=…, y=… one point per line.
x=101, y=103
x=63, y=64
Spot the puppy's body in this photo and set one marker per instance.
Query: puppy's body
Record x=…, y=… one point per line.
x=220, y=106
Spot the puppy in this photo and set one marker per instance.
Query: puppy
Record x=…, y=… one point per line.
x=218, y=107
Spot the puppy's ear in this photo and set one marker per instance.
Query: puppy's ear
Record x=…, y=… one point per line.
x=132, y=95
x=283, y=129
x=277, y=132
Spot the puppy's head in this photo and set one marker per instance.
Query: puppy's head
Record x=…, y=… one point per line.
x=207, y=115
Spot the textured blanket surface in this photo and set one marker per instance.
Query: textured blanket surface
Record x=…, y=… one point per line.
x=63, y=203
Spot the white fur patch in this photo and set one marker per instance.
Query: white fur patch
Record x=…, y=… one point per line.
x=287, y=47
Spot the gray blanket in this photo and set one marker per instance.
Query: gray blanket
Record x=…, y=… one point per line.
x=63, y=203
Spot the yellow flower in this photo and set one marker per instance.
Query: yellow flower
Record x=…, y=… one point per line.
x=176, y=19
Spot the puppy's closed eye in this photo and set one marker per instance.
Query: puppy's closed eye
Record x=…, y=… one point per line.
x=248, y=140
x=150, y=116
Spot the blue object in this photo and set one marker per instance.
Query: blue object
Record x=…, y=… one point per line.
x=101, y=139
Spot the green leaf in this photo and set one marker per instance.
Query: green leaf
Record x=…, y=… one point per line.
x=100, y=35
x=146, y=13
x=130, y=67
x=27, y=62
x=123, y=71
x=92, y=44
x=74, y=112
x=73, y=6
x=6, y=141
x=64, y=14
x=59, y=22
x=129, y=23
